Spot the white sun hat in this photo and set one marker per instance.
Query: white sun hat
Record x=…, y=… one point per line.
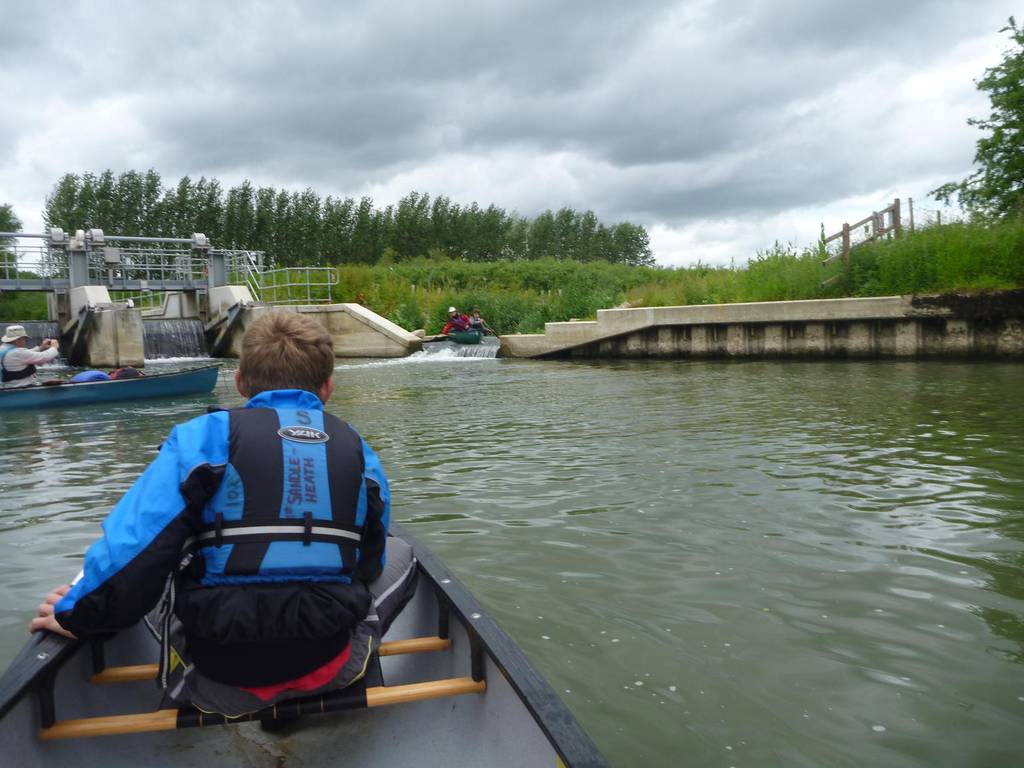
x=13, y=333
x=450, y=309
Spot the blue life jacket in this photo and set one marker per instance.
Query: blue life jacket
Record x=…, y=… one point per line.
x=271, y=518
x=289, y=504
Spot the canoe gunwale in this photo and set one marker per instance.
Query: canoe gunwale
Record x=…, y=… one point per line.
x=551, y=714
x=35, y=668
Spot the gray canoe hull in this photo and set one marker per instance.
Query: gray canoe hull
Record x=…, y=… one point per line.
x=519, y=721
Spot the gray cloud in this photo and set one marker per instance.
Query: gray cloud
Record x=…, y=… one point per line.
x=666, y=113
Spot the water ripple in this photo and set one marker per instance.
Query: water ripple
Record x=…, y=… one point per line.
x=778, y=559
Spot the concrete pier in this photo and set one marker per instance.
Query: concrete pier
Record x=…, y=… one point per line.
x=988, y=325
x=102, y=333
x=115, y=340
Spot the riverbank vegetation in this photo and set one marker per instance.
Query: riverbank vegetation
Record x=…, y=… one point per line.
x=519, y=297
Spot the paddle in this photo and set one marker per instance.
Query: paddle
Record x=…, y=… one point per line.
x=353, y=697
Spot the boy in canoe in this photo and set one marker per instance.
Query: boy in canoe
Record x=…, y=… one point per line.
x=477, y=322
x=263, y=530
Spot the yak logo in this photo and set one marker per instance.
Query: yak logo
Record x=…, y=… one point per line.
x=303, y=434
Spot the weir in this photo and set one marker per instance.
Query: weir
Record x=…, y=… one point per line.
x=174, y=338
x=486, y=349
x=102, y=287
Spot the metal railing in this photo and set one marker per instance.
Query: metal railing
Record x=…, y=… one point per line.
x=281, y=285
x=22, y=266
x=143, y=268
x=117, y=267
x=295, y=285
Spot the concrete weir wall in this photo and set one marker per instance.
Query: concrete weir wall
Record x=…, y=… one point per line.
x=988, y=325
x=116, y=339
x=113, y=336
x=355, y=330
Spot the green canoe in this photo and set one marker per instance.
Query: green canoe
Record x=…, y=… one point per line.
x=465, y=337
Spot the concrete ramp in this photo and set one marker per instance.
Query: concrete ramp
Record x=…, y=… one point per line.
x=361, y=332
x=355, y=330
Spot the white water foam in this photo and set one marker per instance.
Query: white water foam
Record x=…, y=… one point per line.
x=162, y=360
x=446, y=354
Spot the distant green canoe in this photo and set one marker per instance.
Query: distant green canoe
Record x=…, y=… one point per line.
x=465, y=337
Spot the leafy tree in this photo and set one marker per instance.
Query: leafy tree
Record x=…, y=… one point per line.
x=263, y=224
x=541, y=240
x=209, y=209
x=9, y=222
x=307, y=240
x=104, y=208
x=298, y=228
x=151, y=221
x=85, y=204
x=996, y=189
x=60, y=204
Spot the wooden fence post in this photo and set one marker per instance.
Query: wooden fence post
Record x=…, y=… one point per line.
x=897, y=223
x=846, y=243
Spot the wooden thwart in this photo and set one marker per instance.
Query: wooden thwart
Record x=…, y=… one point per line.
x=135, y=672
x=170, y=719
x=414, y=645
x=111, y=725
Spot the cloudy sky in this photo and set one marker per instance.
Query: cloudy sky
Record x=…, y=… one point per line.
x=721, y=126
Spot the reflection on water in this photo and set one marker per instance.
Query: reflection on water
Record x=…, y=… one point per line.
x=714, y=564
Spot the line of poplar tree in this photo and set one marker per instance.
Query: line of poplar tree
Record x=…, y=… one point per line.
x=296, y=228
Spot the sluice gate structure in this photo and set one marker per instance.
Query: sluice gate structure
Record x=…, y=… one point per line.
x=989, y=326
x=104, y=291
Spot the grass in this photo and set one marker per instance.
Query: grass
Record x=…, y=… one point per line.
x=520, y=296
x=22, y=306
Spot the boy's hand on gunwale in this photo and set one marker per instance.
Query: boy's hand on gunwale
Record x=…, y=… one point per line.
x=45, y=619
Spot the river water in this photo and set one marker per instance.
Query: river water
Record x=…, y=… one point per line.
x=715, y=564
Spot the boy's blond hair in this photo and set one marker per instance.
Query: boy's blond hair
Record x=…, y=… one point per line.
x=285, y=350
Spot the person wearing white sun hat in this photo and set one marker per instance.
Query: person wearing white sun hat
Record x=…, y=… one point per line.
x=456, y=321
x=18, y=361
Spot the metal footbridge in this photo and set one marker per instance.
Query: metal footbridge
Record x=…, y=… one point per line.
x=136, y=267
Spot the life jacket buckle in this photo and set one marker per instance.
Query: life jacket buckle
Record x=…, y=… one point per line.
x=218, y=529
x=307, y=530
